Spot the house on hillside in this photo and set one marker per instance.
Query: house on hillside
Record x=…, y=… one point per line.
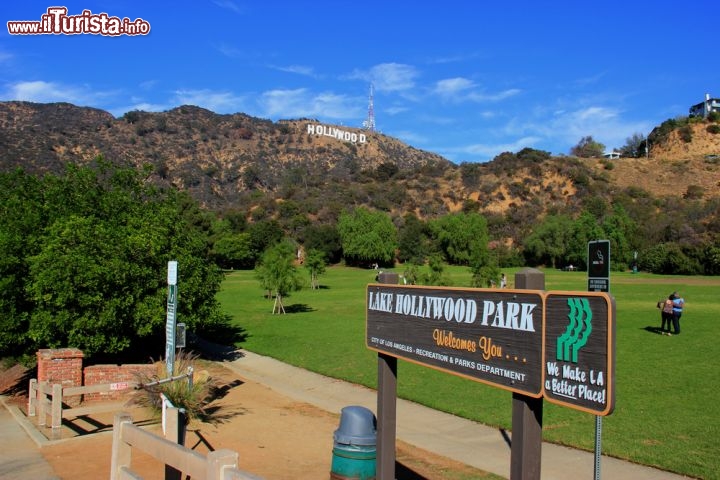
x=612, y=155
x=703, y=109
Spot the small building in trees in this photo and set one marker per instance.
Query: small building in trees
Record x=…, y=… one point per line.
x=703, y=109
x=611, y=155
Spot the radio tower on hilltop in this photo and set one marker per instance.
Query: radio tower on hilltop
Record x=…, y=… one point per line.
x=369, y=123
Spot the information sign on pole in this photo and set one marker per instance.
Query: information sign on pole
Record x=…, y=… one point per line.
x=599, y=266
x=171, y=318
x=491, y=336
x=580, y=351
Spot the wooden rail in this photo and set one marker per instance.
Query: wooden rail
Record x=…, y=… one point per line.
x=217, y=465
x=48, y=400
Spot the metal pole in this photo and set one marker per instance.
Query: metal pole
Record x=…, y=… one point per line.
x=598, y=443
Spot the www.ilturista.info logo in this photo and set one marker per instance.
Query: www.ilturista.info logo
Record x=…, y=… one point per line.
x=56, y=21
x=578, y=330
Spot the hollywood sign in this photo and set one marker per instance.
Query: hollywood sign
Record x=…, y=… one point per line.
x=334, y=132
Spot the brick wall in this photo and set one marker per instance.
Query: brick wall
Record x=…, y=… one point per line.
x=121, y=378
x=61, y=365
x=64, y=366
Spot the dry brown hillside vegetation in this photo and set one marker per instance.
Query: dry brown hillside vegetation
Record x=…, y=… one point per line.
x=673, y=165
x=278, y=170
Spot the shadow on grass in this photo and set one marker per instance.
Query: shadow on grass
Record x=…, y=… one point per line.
x=655, y=330
x=299, y=308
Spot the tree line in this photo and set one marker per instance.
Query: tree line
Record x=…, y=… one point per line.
x=83, y=255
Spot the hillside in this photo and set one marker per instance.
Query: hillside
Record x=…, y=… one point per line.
x=674, y=164
x=212, y=156
x=238, y=162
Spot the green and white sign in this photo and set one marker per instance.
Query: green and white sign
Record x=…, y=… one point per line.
x=171, y=318
x=580, y=351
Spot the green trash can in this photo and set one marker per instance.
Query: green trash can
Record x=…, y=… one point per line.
x=354, y=447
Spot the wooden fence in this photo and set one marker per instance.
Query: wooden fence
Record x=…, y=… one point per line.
x=49, y=400
x=217, y=465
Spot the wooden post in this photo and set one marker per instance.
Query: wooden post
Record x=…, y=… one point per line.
x=386, y=416
x=41, y=403
x=386, y=406
x=175, y=429
x=32, y=397
x=121, y=451
x=526, y=449
x=218, y=461
x=57, y=401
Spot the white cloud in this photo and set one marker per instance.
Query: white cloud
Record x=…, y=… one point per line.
x=148, y=84
x=563, y=128
x=142, y=106
x=388, y=77
x=411, y=138
x=299, y=69
x=489, y=151
x=229, y=5
x=48, y=92
x=301, y=102
x=495, y=97
x=461, y=89
x=218, y=102
x=394, y=110
x=453, y=86
x=604, y=124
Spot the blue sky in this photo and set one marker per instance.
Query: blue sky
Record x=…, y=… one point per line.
x=465, y=79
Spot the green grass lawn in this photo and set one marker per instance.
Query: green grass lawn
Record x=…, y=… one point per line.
x=665, y=411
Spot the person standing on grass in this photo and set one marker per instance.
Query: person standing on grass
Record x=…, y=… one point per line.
x=666, y=314
x=678, y=305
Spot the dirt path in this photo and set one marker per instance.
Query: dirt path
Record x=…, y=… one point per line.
x=276, y=438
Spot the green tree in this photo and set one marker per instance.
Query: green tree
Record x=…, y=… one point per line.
x=94, y=269
x=548, y=242
x=315, y=264
x=634, y=146
x=233, y=250
x=413, y=241
x=621, y=230
x=367, y=236
x=583, y=229
x=263, y=234
x=437, y=275
x=588, y=148
x=324, y=238
x=460, y=236
x=278, y=274
x=22, y=217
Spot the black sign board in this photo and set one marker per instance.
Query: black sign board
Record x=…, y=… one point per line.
x=599, y=266
x=492, y=336
x=579, y=365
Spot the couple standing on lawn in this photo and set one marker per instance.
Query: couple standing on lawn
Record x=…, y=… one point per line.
x=671, y=311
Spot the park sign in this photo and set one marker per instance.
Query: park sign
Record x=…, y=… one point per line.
x=580, y=351
x=488, y=335
x=171, y=317
x=556, y=345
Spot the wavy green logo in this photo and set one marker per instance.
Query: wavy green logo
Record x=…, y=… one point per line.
x=578, y=331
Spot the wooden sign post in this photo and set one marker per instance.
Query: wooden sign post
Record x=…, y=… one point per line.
x=536, y=344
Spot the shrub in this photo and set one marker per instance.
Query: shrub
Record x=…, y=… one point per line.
x=195, y=398
x=694, y=192
x=685, y=134
x=714, y=128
